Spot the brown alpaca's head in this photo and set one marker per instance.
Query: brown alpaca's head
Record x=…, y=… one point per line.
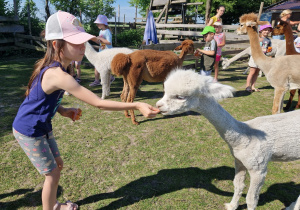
x=249, y=20
x=280, y=28
x=187, y=47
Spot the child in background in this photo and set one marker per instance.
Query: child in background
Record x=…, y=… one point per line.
x=221, y=41
x=32, y=126
x=105, y=41
x=265, y=44
x=208, y=54
x=76, y=64
x=297, y=43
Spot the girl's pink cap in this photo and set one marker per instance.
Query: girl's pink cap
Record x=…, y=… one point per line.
x=63, y=25
x=262, y=27
x=101, y=19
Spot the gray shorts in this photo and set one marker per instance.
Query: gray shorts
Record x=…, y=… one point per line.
x=41, y=151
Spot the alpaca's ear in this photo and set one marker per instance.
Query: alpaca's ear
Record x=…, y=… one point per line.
x=220, y=91
x=178, y=47
x=263, y=23
x=251, y=23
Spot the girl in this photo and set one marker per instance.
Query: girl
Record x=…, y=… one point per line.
x=105, y=41
x=32, y=126
x=221, y=41
x=265, y=44
x=217, y=17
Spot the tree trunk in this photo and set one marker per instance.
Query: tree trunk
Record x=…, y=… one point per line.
x=207, y=11
x=47, y=9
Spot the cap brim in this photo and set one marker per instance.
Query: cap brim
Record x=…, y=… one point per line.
x=79, y=38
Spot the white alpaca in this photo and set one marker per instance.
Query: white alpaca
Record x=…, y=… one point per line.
x=101, y=61
x=252, y=143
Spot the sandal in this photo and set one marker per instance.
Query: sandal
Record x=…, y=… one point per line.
x=248, y=89
x=69, y=205
x=256, y=90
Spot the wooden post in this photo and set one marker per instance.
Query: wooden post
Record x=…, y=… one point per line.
x=29, y=21
x=136, y=13
x=207, y=11
x=16, y=8
x=260, y=10
x=119, y=13
x=124, y=21
x=115, y=28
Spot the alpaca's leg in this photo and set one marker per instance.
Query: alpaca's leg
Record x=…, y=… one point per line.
x=239, y=184
x=133, y=88
x=295, y=205
x=125, y=94
x=289, y=103
x=298, y=104
x=278, y=100
x=257, y=179
x=105, y=82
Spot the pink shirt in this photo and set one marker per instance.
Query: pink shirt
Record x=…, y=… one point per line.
x=219, y=39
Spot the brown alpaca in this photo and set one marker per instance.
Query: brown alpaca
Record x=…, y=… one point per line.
x=285, y=28
x=281, y=72
x=148, y=65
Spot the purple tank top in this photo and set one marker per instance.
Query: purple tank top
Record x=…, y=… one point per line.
x=35, y=113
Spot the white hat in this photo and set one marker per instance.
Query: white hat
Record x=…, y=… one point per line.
x=217, y=23
x=63, y=25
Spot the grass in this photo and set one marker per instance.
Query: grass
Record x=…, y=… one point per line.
x=176, y=162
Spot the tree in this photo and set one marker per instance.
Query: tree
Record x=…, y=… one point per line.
x=143, y=5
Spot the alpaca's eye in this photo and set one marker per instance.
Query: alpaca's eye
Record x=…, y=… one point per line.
x=180, y=97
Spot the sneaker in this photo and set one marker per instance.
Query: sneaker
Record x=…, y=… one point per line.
x=78, y=80
x=112, y=78
x=95, y=83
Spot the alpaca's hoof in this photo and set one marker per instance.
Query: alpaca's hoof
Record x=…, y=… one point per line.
x=228, y=206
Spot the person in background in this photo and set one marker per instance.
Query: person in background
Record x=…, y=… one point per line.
x=32, y=126
x=265, y=44
x=221, y=41
x=105, y=41
x=217, y=17
x=285, y=15
x=208, y=54
x=297, y=43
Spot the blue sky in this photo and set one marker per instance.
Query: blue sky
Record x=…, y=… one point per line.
x=124, y=9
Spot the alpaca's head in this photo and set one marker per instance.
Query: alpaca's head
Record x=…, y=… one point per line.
x=249, y=20
x=187, y=47
x=279, y=28
x=185, y=90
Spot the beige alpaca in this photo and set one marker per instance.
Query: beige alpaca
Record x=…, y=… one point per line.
x=148, y=65
x=281, y=72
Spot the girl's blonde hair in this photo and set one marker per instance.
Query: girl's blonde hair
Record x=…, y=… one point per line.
x=51, y=55
x=285, y=12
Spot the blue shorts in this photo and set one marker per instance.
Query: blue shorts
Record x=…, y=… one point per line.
x=41, y=151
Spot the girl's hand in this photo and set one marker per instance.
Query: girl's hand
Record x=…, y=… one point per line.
x=147, y=110
x=72, y=113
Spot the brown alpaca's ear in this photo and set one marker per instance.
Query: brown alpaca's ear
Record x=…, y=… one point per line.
x=178, y=47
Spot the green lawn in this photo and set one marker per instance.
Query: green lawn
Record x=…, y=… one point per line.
x=176, y=162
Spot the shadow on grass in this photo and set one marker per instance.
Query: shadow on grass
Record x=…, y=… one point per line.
x=171, y=180
x=31, y=198
x=165, y=181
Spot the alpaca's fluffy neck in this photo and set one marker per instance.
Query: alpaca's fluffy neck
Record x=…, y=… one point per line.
x=288, y=33
x=228, y=127
x=263, y=62
x=90, y=53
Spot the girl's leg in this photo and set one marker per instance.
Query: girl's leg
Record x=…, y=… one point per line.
x=254, y=78
x=49, y=192
x=250, y=78
x=216, y=71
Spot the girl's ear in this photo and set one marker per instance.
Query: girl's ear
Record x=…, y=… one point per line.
x=54, y=44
